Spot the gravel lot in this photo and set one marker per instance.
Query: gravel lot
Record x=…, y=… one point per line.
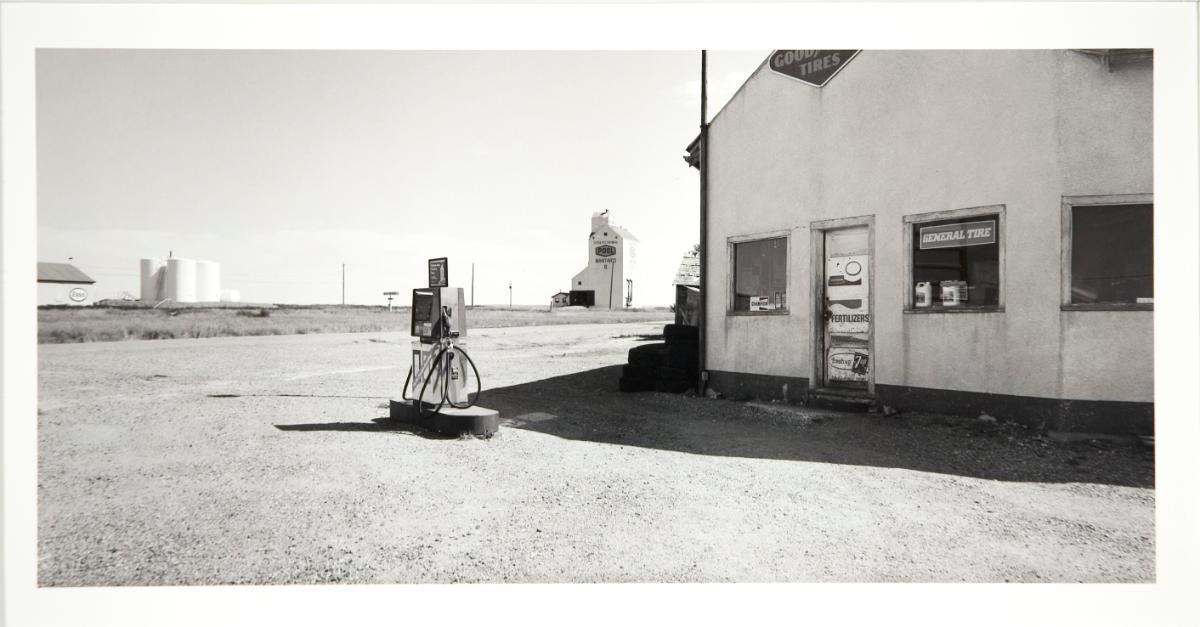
x=268, y=460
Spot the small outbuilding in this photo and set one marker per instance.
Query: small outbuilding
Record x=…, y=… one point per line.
x=687, y=290
x=63, y=284
x=561, y=299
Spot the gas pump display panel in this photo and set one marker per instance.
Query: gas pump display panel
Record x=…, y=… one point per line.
x=422, y=312
x=430, y=306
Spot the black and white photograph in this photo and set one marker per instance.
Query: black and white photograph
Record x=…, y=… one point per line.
x=346, y=312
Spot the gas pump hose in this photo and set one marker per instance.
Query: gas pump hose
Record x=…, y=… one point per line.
x=444, y=367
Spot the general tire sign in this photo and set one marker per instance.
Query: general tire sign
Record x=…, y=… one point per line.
x=956, y=235
x=814, y=67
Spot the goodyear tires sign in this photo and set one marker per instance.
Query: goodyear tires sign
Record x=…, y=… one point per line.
x=815, y=67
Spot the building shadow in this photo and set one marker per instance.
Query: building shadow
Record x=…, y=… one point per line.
x=587, y=406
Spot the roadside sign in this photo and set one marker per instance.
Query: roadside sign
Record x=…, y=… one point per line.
x=814, y=67
x=439, y=272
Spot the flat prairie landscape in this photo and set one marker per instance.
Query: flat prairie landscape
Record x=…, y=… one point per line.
x=131, y=321
x=270, y=460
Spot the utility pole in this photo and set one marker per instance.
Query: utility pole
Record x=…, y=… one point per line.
x=702, y=376
x=343, y=284
x=510, y=294
x=472, y=285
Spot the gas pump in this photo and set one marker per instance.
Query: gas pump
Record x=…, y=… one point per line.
x=437, y=391
x=439, y=358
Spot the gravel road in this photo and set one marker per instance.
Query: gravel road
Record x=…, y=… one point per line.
x=268, y=460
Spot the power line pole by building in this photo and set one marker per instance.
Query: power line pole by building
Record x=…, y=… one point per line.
x=510, y=294
x=472, y=285
x=343, y=284
x=702, y=365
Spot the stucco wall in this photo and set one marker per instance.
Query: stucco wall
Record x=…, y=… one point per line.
x=911, y=132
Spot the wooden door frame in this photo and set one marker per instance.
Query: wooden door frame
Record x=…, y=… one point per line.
x=816, y=284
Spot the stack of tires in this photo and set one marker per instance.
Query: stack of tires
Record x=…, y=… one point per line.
x=669, y=366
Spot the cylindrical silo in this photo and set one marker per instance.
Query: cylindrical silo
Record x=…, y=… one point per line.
x=208, y=281
x=152, y=277
x=180, y=285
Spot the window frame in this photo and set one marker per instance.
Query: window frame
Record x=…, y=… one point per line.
x=1069, y=203
x=731, y=283
x=911, y=220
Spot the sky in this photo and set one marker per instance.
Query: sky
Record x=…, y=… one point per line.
x=284, y=165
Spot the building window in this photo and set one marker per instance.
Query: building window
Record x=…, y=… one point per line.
x=760, y=276
x=956, y=260
x=1108, y=252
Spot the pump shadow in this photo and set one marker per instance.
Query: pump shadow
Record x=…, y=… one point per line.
x=587, y=406
x=376, y=425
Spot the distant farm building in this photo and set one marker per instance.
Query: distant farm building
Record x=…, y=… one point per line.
x=687, y=290
x=608, y=280
x=63, y=284
x=561, y=299
x=182, y=280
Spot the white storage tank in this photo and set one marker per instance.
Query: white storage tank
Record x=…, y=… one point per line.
x=180, y=285
x=153, y=273
x=208, y=281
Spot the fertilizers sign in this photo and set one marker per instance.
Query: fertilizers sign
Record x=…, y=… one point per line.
x=846, y=294
x=956, y=235
x=814, y=67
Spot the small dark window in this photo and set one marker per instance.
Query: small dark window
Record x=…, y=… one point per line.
x=760, y=275
x=1112, y=254
x=956, y=263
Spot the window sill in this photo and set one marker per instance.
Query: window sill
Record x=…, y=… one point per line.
x=774, y=312
x=1109, y=307
x=954, y=310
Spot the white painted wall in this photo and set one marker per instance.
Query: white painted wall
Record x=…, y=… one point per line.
x=908, y=132
x=60, y=294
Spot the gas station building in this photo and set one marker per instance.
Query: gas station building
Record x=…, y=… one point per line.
x=949, y=231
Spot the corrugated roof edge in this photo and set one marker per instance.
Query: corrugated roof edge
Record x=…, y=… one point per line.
x=623, y=233
x=51, y=272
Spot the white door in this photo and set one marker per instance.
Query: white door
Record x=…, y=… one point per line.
x=847, y=298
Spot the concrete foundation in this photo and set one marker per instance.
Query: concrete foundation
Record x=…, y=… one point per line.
x=477, y=421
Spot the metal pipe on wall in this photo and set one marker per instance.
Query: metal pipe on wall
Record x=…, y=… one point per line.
x=702, y=370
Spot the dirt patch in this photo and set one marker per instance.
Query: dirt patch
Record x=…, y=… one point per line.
x=270, y=461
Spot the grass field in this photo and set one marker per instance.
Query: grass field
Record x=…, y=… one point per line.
x=105, y=324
